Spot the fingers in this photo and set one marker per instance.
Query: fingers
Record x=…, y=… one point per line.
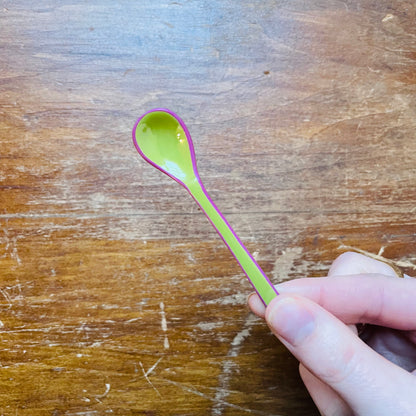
x=345, y=264
x=369, y=298
x=326, y=399
x=379, y=299
x=374, y=299
x=338, y=358
x=355, y=263
x=256, y=305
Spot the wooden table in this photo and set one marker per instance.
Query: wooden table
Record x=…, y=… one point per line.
x=116, y=295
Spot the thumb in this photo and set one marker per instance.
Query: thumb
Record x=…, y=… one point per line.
x=369, y=383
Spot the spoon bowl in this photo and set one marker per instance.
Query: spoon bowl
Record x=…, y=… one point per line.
x=163, y=140
x=165, y=143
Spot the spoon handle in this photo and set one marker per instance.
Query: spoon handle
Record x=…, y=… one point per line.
x=255, y=274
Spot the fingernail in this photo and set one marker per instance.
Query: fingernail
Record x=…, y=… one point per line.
x=250, y=296
x=289, y=320
x=255, y=299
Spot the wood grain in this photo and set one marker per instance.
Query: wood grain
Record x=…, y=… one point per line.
x=116, y=296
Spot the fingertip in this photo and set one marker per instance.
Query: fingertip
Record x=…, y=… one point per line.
x=290, y=318
x=256, y=305
x=351, y=263
x=333, y=353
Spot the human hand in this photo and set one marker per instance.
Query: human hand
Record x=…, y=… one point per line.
x=316, y=320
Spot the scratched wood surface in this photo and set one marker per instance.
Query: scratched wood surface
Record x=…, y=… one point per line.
x=116, y=296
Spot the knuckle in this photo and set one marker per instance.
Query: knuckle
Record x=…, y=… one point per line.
x=349, y=256
x=341, y=368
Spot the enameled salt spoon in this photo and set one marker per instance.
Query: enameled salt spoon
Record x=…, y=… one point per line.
x=163, y=140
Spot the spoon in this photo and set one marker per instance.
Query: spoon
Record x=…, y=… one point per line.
x=163, y=140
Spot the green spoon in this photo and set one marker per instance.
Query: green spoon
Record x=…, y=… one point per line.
x=163, y=140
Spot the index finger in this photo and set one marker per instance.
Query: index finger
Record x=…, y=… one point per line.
x=370, y=298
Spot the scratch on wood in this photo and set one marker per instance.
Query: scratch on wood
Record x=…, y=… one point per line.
x=99, y=397
x=193, y=390
x=7, y=297
x=228, y=366
x=153, y=367
x=148, y=372
x=14, y=293
x=11, y=246
x=164, y=326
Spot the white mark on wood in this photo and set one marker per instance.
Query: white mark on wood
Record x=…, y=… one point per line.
x=193, y=390
x=234, y=299
x=162, y=312
x=133, y=320
x=99, y=397
x=13, y=293
x=191, y=258
x=7, y=297
x=10, y=243
x=209, y=326
x=387, y=17
x=14, y=254
x=153, y=367
x=148, y=372
x=166, y=344
x=83, y=328
x=239, y=339
x=87, y=413
x=229, y=365
x=284, y=263
x=164, y=325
